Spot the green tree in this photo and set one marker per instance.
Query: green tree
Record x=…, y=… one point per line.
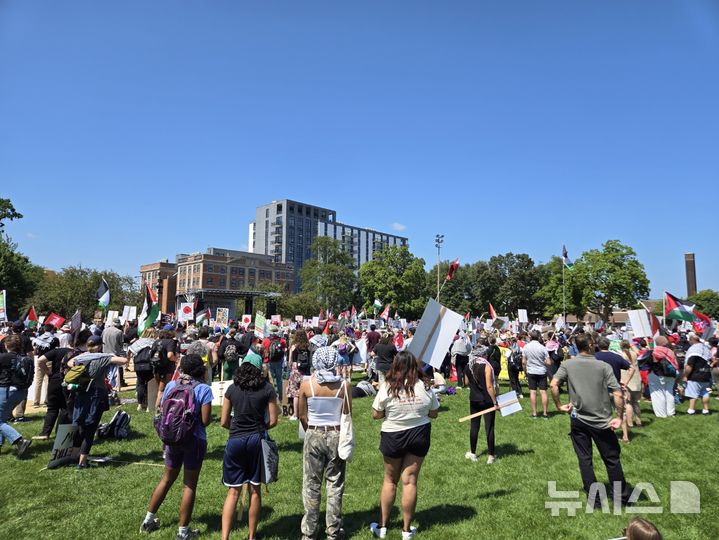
x=707, y=301
x=611, y=278
x=7, y=212
x=395, y=276
x=18, y=276
x=551, y=293
x=75, y=287
x=457, y=293
x=302, y=303
x=329, y=275
x=518, y=281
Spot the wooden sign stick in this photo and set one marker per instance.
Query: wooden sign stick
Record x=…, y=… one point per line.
x=485, y=411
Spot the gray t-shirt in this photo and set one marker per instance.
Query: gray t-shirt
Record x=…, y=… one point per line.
x=536, y=354
x=98, y=364
x=589, y=382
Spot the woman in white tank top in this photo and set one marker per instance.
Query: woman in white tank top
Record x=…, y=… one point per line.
x=322, y=399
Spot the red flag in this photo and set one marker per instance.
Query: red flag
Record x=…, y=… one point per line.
x=656, y=327
x=385, y=314
x=466, y=316
x=322, y=314
x=452, y=269
x=702, y=323
x=326, y=330
x=492, y=313
x=399, y=341
x=55, y=320
x=353, y=313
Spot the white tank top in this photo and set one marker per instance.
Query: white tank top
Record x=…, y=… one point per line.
x=324, y=411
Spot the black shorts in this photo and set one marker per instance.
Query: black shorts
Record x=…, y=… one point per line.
x=397, y=444
x=534, y=381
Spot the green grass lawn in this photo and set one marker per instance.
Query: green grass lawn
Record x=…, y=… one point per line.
x=457, y=498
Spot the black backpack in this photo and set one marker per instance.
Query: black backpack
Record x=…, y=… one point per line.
x=232, y=351
x=245, y=343
x=22, y=372
x=118, y=427
x=143, y=361
x=516, y=360
x=302, y=357
x=277, y=351
x=158, y=356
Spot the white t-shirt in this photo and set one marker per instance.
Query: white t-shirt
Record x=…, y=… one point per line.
x=405, y=412
x=535, y=353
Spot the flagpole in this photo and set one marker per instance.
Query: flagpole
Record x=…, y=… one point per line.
x=564, y=302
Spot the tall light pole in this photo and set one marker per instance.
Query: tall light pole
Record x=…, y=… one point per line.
x=438, y=239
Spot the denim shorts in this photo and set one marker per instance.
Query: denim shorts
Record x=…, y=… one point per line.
x=697, y=389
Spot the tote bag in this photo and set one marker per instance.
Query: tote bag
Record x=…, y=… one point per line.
x=346, y=445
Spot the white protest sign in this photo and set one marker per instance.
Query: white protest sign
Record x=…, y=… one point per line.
x=315, y=322
x=276, y=320
x=218, y=391
x=112, y=315
x=63, y=451
x=133, y=313
x=125, y=314
x=639, y=321
x=299, y=318
x=361, y=345
x=522, y=315
x=559, y=324
x=403, y=323
x=508, y=403
x=537, y=328
x=222, y=317
x=434, y=334
x=246, y=319
x=187, y=312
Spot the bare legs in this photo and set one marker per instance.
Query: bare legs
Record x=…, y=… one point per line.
x=188, y=493
x=229, y=510
x=533, y=401
x=405, y=469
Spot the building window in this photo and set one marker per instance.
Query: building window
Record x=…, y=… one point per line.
x=279, y=208
x=241, y=272
x=233, y=270
x=223, y=269
x=233, y=283
x=252, y=273
x=267, y=212
x=210, y=268
x=209, y=281
x=223, y=282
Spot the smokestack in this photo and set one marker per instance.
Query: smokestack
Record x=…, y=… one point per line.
x=691, y=272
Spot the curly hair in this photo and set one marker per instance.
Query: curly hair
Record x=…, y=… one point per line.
x=248, y=377
x=404, y=374
x=300, y=340
x=192, y=365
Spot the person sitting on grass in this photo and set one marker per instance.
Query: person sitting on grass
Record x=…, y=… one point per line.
x=10, y=396
x=249, y=409
x=191, y=454
x=406, y=403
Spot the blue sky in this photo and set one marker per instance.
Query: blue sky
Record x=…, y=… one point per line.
x=132, y=131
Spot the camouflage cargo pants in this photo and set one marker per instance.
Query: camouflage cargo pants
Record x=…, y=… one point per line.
x=321, y=461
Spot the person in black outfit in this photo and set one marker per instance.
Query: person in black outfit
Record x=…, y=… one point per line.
x=384, y=353
x=479, y=376
x=514, y=368
x=57, y=409
x=494, y=356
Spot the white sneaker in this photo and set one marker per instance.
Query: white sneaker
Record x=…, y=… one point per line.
x=379, y=532
x=691, y=411
x=491, y=459
x=406, y=535
x=470, y=456
x=293, y=419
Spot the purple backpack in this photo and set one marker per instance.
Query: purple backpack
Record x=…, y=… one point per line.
x=178, y=414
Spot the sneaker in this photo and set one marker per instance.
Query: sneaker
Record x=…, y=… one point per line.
x=36, y=404
x=40, y=437
x=189, y=535
x=293, y=418
x=705, y=412
x=691, y=411
x=19, y=420
x=139, y=408
x=406, y=535
x=545, y=417
x=22, y=447
x=470, y=456
x=533, y=417
x=491, y=459
x=149, y=526
x=379, y=532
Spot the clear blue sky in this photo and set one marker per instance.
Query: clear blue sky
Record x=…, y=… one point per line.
x=131, y=131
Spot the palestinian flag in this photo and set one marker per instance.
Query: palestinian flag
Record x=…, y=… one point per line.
x=363, y=315
x=678, y=309
x=31, y=318
x=398, y=341
x=326, y=330
x=452, y=269
x=656, y=326
x=565, y=258
x=466, y=317
x=103, y=295
x=353, y=313
x=150, y=311
x=385, y=314
x=377, y=304
x=202, y=314
x=703, y=325
x=396, y=315
x=492, y=313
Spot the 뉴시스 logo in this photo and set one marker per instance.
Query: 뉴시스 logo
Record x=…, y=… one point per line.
x=684, y=498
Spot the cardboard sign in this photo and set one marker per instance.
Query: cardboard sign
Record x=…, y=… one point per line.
x=639, y=321
x=187, y=312
x=63, y=451
x=222, y=317
x=522, y=315
x=435, y=332
x=260, y=322
x=299, y=318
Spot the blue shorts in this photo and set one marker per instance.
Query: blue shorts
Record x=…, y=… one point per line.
x=243, y=463
x=697, y=389
x=344, y=360
x=191, y=454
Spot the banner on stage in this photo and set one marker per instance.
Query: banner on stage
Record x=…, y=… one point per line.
x=434, y=334
x=63, y=451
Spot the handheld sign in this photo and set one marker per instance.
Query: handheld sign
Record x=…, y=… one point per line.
x=435, y=332
x=506, y=404
x=63, y=451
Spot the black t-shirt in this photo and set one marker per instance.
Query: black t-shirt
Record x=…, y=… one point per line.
x=6, y=360
x=303, y=357
x=384, y=356
x=232, y=343
x=249, y=408
x=617, y=362
x=55, y=357
x=701, y=372
x=478, y=387
x=169, y=345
